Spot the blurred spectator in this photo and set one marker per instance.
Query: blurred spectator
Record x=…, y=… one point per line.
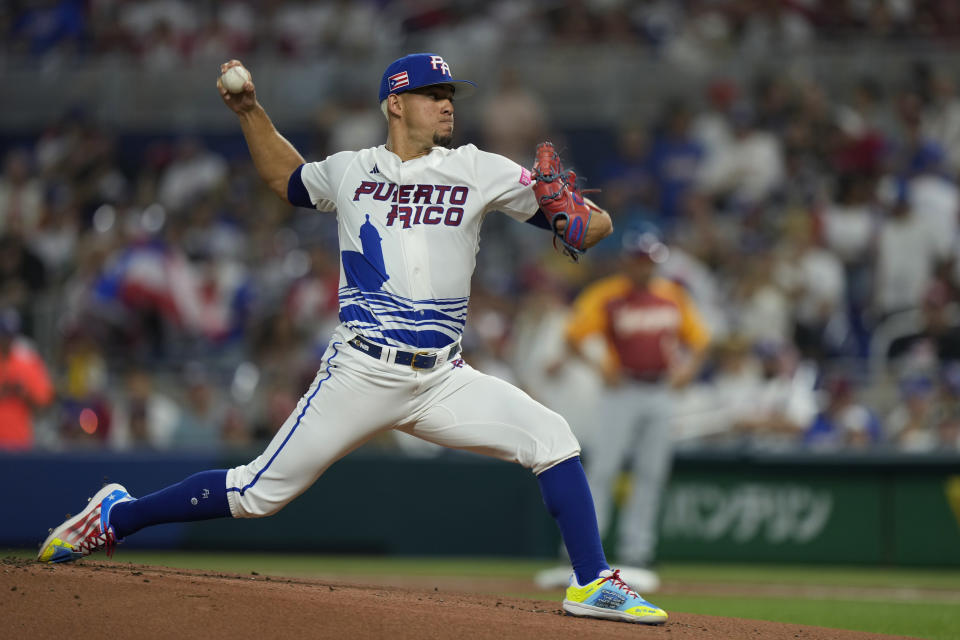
x=312, y=303
x=86, y=416
x=55, y=239
x=25, y=385
x=850, y=226
x=735, y=382
x=352, y=124
x=574, y=22
x=912, y=425
x=143, y=418
x=688, y=42
x=676, y=158
x=360, y=27
x=203, y=416
x=236, y=432
x=906, y=256
x=935, y=200
x=279, y=400
x=302, y=28
x=142, y=17
x=758, y=396
x=21, y=195
x=514, y=120
x=540, y=357
x=44, y=27
x=485, y=340
x=685, y=267
x=941, y=118
x=192, y=174
x=784, y=403
x=759, y=308
x=218, y=311
x=215, y=43
x=936, y=340
x=280, y=351
x=751, y=169
x=814, y=278
x=712, y=126
x=23, y=279
x=865, y=127
x=148, y=286
x=163, y=49
x=844, y=422
x=948, y=425
x=777, y=102
x=776, y=26
x=235, y=23
x=160, y=30
x=628, y=186
x=214, y=231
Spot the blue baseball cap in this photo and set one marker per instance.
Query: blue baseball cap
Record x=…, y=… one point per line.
x=421, y=70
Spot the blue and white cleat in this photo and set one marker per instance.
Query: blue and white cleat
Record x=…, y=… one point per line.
x=610, y=598
x=87, y=531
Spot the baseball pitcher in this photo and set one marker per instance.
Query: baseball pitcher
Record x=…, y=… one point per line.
x=409, y=214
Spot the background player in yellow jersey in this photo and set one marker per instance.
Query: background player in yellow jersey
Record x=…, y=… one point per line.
x=656, y=344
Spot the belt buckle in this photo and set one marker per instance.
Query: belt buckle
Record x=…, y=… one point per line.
x=413, y=360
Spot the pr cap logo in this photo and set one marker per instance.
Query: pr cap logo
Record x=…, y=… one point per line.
x=436, y=62
x=419, y=70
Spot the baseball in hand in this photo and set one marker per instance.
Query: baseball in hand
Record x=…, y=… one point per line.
x=234, y=78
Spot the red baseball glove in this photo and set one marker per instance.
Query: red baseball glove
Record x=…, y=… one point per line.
x=561, y=202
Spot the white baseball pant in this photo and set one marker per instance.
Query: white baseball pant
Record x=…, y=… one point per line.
x=355, y=396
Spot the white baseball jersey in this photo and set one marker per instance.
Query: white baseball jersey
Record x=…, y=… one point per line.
x=409, y=234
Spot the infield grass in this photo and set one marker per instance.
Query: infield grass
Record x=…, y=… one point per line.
x=908, y=602
x=935, y=621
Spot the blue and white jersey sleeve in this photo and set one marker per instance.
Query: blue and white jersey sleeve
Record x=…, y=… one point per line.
x=506, y=186
x=321, y=181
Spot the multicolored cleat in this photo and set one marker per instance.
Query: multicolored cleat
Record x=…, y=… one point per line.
x=610, y=598
x=87, y=531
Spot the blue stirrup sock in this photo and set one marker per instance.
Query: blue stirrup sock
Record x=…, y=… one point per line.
x=568, y=499
x=202, y=496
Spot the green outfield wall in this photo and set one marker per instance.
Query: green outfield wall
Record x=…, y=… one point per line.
x=899, y=510
x=853, y=509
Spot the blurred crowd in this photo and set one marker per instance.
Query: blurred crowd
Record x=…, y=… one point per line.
x=154, y=294
x=168, y=33
x=817, y=233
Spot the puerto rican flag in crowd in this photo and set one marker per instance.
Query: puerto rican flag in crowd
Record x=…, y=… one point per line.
x=152, y=275
x=398, y=80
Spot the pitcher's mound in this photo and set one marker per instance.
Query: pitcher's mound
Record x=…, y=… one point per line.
x=109, y=600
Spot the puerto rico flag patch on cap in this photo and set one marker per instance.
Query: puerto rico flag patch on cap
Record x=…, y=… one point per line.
x=398, y=80
x=525, y=176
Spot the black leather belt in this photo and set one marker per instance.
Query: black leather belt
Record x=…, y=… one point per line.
x=415, y=359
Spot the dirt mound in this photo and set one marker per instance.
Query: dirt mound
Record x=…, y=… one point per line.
x=132, y=601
